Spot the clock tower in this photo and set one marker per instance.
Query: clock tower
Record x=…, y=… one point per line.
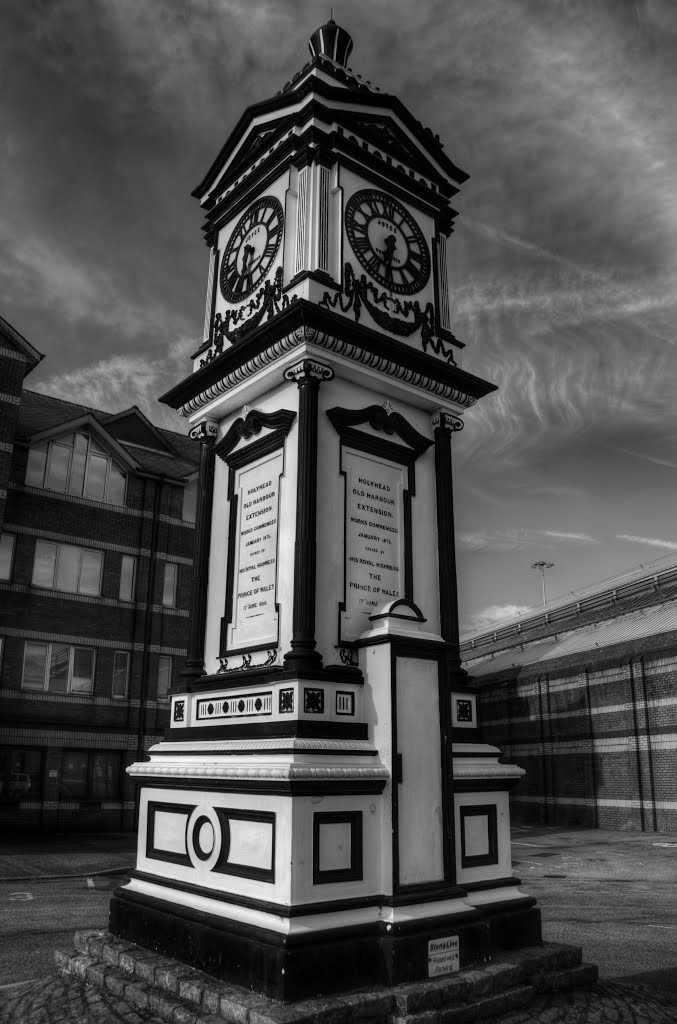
x=323, y=813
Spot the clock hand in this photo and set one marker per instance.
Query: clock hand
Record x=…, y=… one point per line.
x=247, y=257
x=388, y=253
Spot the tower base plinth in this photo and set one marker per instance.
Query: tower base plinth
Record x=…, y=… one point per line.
x=298, y=963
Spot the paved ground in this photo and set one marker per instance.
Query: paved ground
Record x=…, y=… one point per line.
x=612, y=893
x=37, y=856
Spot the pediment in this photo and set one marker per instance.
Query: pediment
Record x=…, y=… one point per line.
x=133, y=428
x=383, y=133
x=87, y=424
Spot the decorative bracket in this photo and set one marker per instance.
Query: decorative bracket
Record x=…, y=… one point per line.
x=360, y=292
x=307, y=370
x=446, y=421
x=204, y=431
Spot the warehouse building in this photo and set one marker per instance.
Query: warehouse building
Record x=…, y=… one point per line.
x=584, y=696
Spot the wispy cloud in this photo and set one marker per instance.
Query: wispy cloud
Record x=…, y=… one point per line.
x=519, y=539
x=648, y=458
x=652, y=542
x=575, y=538
x=493, y=614
x=122, y=381
x=48, y=274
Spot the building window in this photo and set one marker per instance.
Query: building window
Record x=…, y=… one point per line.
x=20, y=774
x=90, y=775
x=76, y=464
x=189, y=510
x=6, y=555
x=164, y=676
x=66, y=567
x=127, y=578
x=59, y=668
x=169, y=585
x=120, y=673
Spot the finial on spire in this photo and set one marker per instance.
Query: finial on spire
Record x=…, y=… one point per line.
x=331, y=41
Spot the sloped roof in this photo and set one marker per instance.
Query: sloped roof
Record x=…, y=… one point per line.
x=10, y=336
x=172, y=454
x=636, y=625
x=641, y=604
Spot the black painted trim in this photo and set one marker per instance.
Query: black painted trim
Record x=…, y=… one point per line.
x=165, y=855
x=354, y=873
x=485, y=785
x=199, y=822
x=265, y=906
x=304, y=313
x=345, y=422
x=253, y=423
x=345, y=693
x=302, y=652
x=194, y=665
x=296, y=727
x=279, y=423
x=491, y=883
x=272, y=787
x=475, y=811
x=378, y=419
x=223, y=866
x=424, y=650
x=281, y=101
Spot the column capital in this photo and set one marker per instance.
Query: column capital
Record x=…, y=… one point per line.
x=206, y=430
x=446, y=421
x=307, y=371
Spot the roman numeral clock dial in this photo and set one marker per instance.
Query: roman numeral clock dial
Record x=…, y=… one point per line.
x=251, y=249
x=387, y=241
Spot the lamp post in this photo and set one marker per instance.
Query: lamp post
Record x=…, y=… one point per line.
x=542, y=566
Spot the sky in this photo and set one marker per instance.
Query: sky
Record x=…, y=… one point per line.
x=563, y=262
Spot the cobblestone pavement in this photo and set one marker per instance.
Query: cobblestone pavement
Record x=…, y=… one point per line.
x=57, y=1000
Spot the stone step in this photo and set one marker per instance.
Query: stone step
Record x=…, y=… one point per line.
x=179, y=994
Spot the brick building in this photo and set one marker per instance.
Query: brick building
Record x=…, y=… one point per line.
x=584, y=696
x=96, y=544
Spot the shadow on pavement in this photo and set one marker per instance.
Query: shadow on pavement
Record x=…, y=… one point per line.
x=665, y=980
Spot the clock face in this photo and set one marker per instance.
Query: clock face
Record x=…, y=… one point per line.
x=251, y=249
x=387, y=241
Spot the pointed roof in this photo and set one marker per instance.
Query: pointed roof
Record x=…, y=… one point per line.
x=325, y=90
x=10, y=337
x=129, y=435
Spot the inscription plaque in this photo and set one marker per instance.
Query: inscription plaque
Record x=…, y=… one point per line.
x=374, y=537
x=254, y=621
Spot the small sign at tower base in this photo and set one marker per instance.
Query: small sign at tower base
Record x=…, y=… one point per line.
x=443, y=956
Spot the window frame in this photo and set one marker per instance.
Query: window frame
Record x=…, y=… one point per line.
x=175, y=568
x=12, y=555
x=132, y=586
x=10, y=751
x=72, y=648
x=93, y=449
x=120, y=654
x=89, y=796
x=55, y=576
x=164, y=658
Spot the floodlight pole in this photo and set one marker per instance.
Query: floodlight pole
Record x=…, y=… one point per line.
x=542, y=566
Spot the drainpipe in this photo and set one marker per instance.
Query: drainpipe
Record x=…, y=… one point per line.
x=649, y=745
x=638, y=755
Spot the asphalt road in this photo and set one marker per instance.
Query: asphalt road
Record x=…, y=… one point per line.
x=40, y=916
x=614, y=894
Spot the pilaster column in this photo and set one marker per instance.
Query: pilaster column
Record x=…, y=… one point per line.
x=308, y=373
x=206, y=433
x=444, y=425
